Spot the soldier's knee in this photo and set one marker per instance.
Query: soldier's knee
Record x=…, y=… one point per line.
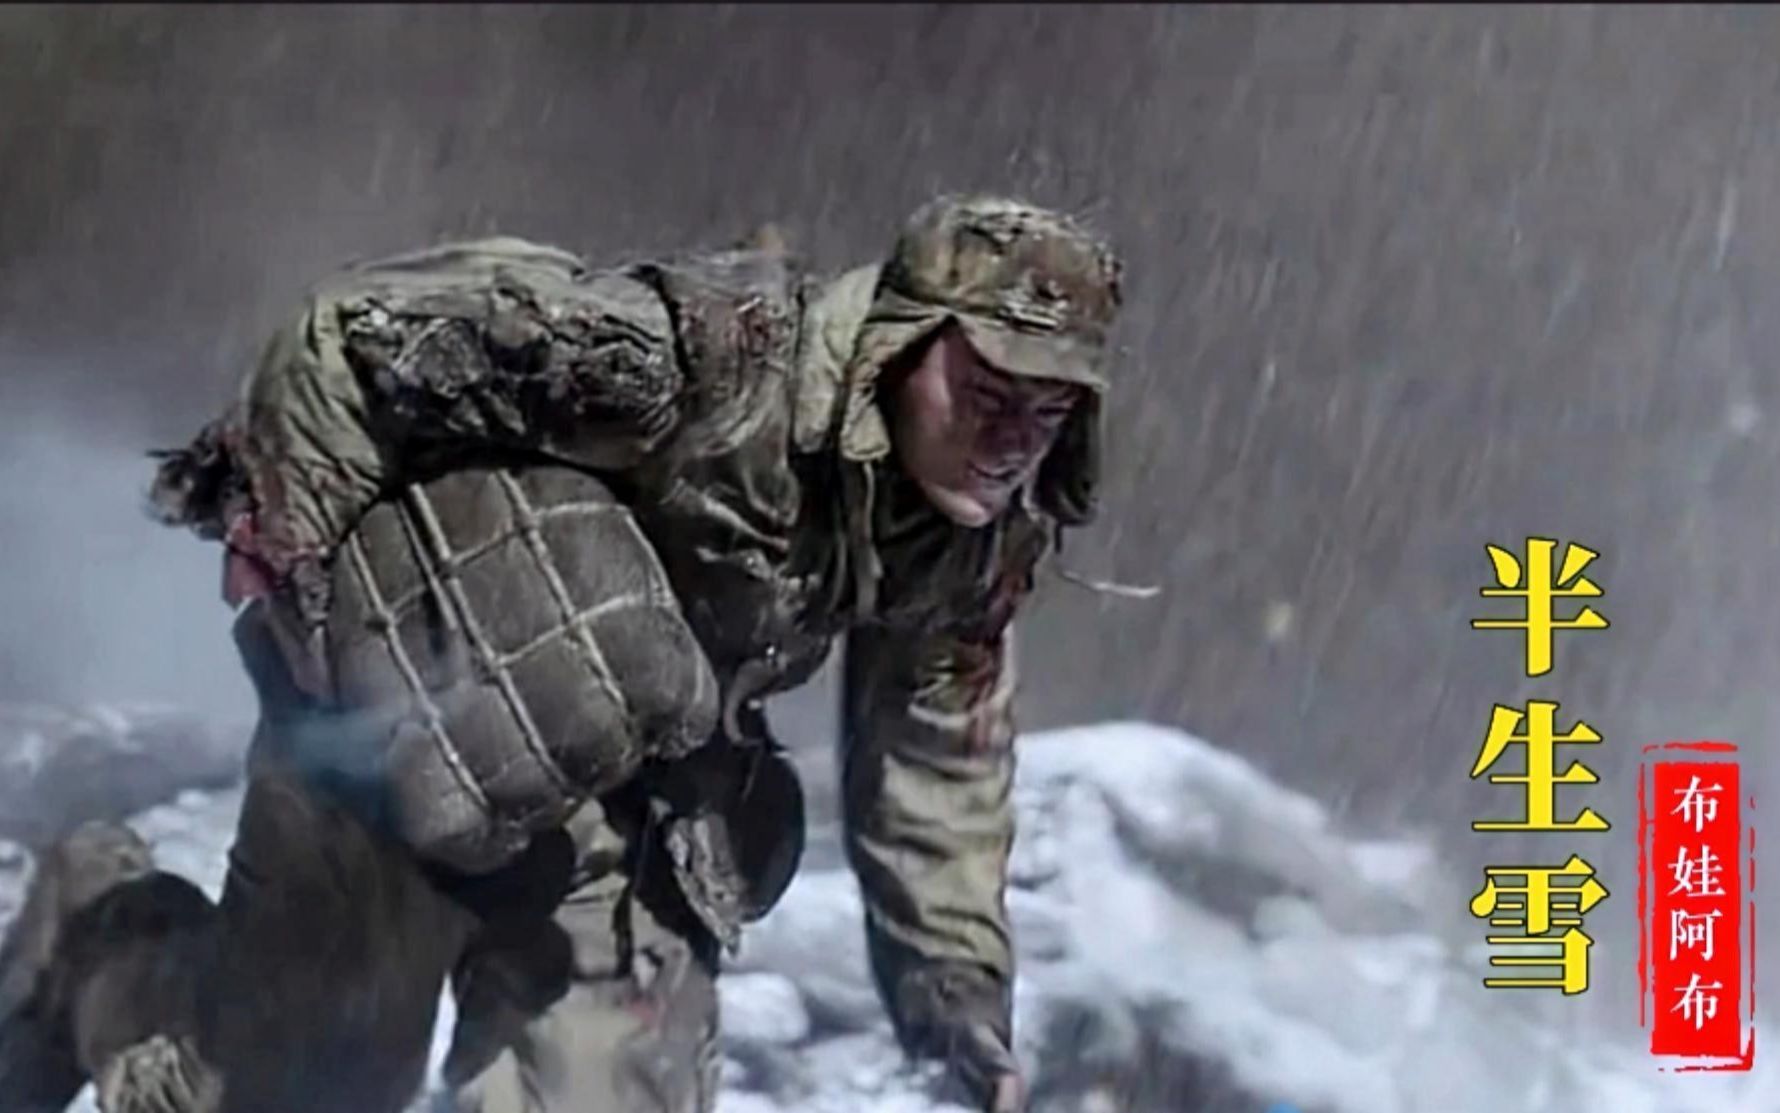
x=131, y=955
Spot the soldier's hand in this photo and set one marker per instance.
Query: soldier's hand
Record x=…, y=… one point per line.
x=1008, y=1096
x=978, y=1059
x=959, y=1015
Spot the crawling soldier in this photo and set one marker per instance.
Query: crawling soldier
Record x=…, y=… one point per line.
x=518, y=547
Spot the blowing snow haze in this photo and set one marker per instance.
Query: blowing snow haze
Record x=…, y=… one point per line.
x=1401, y=283
x=100, y=602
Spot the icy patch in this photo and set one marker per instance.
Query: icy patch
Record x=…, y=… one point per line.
x=764, y=1009
x=191, y=835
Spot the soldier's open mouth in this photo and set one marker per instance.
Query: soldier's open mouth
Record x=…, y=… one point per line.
x=999, y=477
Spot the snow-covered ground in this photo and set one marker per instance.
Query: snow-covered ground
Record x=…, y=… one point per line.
x=1192, y=938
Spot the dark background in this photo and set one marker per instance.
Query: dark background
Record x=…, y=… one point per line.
x=1401, y=282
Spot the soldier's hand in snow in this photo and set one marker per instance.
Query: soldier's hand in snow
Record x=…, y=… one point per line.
x=1009, y=1095
x=958, y=1015
x=980, y=1061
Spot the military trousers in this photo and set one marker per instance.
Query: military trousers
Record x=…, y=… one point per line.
x=582, y=981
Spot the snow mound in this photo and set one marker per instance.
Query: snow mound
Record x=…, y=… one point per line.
x=1226, y=922
x=1191, y=937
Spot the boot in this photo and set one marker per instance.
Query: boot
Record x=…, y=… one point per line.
x=40, y=1068
x=158, y=1075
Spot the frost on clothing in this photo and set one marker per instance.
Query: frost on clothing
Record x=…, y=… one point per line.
x=397, y=366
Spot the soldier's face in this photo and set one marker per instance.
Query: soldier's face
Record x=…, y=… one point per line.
x=970, y=435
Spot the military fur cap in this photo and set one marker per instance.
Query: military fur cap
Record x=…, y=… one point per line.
x=1035, y=293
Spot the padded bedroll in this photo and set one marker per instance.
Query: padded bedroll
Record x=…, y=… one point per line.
x=512, y=636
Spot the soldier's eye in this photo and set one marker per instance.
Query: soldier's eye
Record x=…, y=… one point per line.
x=989, y=400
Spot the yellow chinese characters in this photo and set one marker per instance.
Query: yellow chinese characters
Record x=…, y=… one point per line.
x=1547, y=905
x=1544, y=904
x=1541, y=778
x=1534, y=581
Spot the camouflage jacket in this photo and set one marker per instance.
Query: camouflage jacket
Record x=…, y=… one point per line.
x=715, y=394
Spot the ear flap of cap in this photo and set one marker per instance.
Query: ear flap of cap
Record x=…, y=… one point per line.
x=1068, y=485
